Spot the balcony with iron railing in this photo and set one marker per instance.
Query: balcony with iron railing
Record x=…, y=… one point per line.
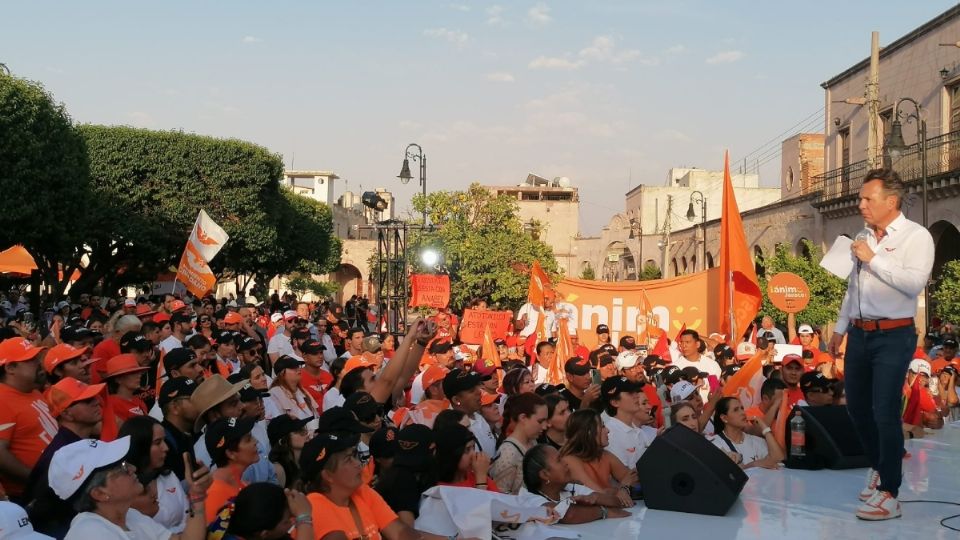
x=839, y=187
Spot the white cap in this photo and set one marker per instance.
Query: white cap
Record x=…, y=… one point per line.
x=805, y=329
x=75, y=462
x=62, y=304
x=746, y=350
x=276, y=317
x=290, y=314
x=627, y=359
x=15, y=525
x=920, y=366
x=130, y=302
x=681, y=391
x=232, y=303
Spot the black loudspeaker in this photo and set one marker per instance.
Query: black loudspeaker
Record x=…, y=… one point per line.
x=831, y=440
x=683, y=472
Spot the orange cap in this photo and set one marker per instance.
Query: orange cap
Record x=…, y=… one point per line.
x=144, y=310
x=177, y=305
x=17, y=350
x=122, y=364
x=61, y=353
x=356, y=362
x=68, y=391
x=486, y=398
x=232, y=318
x=432, y=375
x=161, y=318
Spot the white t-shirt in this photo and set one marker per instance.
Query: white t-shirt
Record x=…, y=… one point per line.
x=173, y=503
x=332, y=399
x=416, y=389
x=705, y=365
x=626, y=442
x=481, y=430
x=569, y=491
x=570, y=310
x=752, y=448
x=533, y=315
x=280, y=345
x=170, y=343
x=88, y=525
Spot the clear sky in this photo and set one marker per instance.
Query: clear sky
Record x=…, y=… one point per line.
x=608, y=93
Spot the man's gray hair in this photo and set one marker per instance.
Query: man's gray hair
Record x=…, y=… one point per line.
x=127, y=323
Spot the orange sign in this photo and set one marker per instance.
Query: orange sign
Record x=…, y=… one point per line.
x=475, y=321
x=429, y=290
x=690, y=300
x=195, y=273
x=788, y=292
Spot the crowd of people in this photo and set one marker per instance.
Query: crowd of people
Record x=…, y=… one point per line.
x=167, y=417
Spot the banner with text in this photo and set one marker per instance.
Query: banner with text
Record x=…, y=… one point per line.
x=474, y=321
x=429, y=290
x=689, y=300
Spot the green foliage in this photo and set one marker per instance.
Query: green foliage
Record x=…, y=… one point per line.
x=300, y=284
x=649, y=271
x=946, y=297
x=43, y=175
x=826, y=290
x=484, y=248
x=588, y=273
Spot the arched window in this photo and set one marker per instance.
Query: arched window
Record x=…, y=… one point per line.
x=758, y=261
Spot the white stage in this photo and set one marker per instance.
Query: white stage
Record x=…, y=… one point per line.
x=814, y=504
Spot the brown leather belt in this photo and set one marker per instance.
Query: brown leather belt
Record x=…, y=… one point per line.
x=872, y=325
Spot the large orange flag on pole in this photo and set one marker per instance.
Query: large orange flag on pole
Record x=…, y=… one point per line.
x=556, y=373
x=740, y=296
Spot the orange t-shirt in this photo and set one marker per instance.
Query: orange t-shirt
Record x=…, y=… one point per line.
x=375, y=514
x=219, y=494
x=793, y=396
x=125, y=409
x=316, y=386
x=28, y=428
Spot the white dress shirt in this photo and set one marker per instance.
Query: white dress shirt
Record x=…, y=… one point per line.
x=481, y=430
x=705, y=365
x=626, y=441
x=887, y=287
x=533, y=315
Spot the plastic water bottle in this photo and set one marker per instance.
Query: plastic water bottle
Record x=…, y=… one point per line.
x=798, y=435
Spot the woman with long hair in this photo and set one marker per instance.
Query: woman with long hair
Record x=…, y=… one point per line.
x=525, y=419
x=232, y=448
x=459, y=462
x=517, y=381
x=148, y=452
x=411, y=474
x=589, y=463
x=287, y=436
x=263, y=511
x=731, y=423
x=558, y=411
x=547, y=478
x=286, y=392
x=682, y=413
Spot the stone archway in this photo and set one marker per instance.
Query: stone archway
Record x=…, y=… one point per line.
x=946, y=239
x=803, y=248
x=350, y=280
x=758, y=261
x=709, y=260
x=618, y=263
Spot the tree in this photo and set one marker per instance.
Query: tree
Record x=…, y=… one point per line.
x=947, y=293
x=588, y=272
x=826, y=290
x=43, y=176
x=649, y=271
x=484, y=247
x=300, y=284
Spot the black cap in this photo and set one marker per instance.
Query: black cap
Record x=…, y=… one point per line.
x=611, y=350
x=546, y=388
x=672, y=375
x=180, y=317
x=603, y=329
x=690, y=373
x=611, y=387
x=628, y=342
x=383, y=442
x=247, y=393
x=723, y=350
x=311, y=346
x=300, y=333
x=950, y=342
x=814, y=379
x=283, y=425
x=459, y=380
x=605, y=359
x=452, y=438
x=286, y=362
x=729, y=371
x=948, y=369
x=653, y=360
x=340, y=420
x=363, y=405
x=499, y=341
x=134, y=341
x=577, y=366
x=321, y=448
x=440, y=346
x=247, y=344
x=224, y=431
x=176, y=387
x=416, y=447
x=175, y=358
x=227, y=337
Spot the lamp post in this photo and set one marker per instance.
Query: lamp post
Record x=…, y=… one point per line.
x=697, y=198
x=405, y=175
x=894, y=149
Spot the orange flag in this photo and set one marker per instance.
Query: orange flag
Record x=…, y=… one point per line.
x=539, y=285
x=740, y=295
x=662, y=349
x=645, y=319
x=490, y=355
x=745, y=384
x=556, y=373
x=779, y=426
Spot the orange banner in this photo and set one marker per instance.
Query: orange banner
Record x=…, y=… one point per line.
x=474, y=321
x=690, y=300
x=429, y=290
x=195, y=273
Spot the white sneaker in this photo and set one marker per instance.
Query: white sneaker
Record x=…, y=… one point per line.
x=882, y=505
x=873, y=478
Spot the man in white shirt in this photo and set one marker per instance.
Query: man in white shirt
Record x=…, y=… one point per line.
x=529, y=314
x=622, y=401
x=766, y=325
x=689, y=344
x=462, y=388
x=353, y=343
x=180, y=326
x=893, y=259
x=280, y=342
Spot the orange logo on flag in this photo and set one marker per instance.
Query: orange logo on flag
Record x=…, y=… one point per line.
x=204, y=238
x=79, y=474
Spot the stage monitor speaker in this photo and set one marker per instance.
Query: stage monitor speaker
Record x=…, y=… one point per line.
x=683, y=472
x=831, y=440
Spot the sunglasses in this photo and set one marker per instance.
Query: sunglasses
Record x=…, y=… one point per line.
x=124, y=469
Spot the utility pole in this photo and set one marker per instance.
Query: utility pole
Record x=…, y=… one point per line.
x=665, y=273
x=873, y=103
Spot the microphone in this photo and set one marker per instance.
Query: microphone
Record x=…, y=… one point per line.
x=861, y=236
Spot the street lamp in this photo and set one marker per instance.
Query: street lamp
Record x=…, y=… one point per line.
x=895, y=149
x=405, y=175
x=697, y=198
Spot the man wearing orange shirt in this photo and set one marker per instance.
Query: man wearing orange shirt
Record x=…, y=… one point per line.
x=26, y=426
x=313, y=377
x=792, y=370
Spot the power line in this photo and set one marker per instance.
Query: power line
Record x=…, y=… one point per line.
x=810, y=119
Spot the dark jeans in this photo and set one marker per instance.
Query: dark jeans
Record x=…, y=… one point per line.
x=875, y=365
